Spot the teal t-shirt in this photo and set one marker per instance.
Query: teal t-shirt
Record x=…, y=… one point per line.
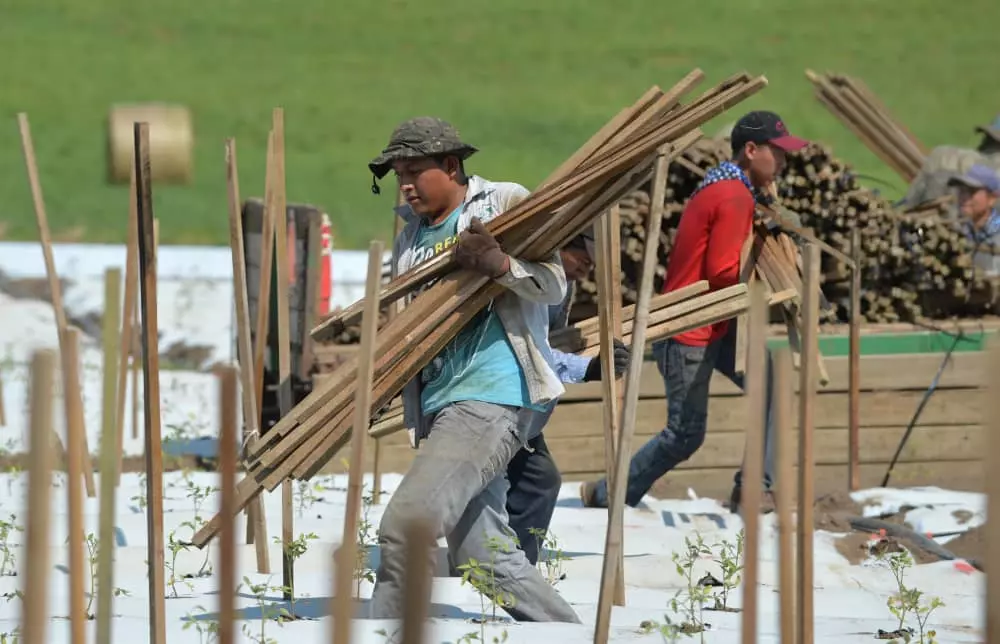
x=479, y=363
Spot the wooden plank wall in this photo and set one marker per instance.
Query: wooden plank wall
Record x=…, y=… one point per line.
x=943, y=450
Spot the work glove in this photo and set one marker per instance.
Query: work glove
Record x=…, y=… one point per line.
x=479, y=251
x=620, y=357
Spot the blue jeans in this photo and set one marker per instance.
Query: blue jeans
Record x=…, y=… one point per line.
x=687, y=371
x=534, y=490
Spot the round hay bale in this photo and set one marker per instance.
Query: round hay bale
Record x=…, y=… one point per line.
x=171, y=141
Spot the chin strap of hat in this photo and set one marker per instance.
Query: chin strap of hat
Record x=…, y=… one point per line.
x=375, y=189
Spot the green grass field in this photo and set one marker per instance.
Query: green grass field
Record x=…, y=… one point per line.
x=525, y=81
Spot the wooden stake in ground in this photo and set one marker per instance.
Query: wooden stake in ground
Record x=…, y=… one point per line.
x=128, y=329
x=609, y=312
x=280, y=220
x=615, y=529
x=785, y=461
x=854, y=368
x=74, y=402
x=110, y=456
x=991, y=420
x=135, y=342
x=362, y=412
x=74, y=463
x=420, y=543
x=807, y=396
x=151, y=386
x=35, y=611
x=244, y=349
x=227, y=484
x=753, y=468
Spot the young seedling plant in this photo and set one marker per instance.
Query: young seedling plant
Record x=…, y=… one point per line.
x=365, y=541
x=550, y=555
x=730, y=562
x=93, y=547
x=907, y=602
x=481, y=576
x=268, y=612
x=305, y=495
x=690, y=601
x=208, y=630
x=7, y=559
x=668, y=630
x=295, y=550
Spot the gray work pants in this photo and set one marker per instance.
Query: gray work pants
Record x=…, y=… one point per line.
x=457, y=482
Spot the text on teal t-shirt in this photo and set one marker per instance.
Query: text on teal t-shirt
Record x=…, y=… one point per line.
x=479, y=363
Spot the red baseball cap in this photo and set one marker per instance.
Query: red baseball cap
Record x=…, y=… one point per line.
x=764, y=127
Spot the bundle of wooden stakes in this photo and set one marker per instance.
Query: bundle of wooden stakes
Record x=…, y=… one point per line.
x=865, y=115
x=617, y=159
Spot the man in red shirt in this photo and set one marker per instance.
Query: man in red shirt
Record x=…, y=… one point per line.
x=713, y=228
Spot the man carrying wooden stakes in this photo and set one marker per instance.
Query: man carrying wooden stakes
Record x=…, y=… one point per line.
x=710, y=236
x=533, y=475
x=471, y=408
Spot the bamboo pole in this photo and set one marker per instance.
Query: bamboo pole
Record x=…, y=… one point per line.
x=127, y=328
x=35, y=614
x=807, y=396
x=75, y=540
x=753, y=470
x=785, y=461
x=615, y=529
x=854, y=368
x=228, y=378
x=151, y=386
x=251, y=415
x=74, y=402
x=280, y=219
x=110, y=457
x=362, y=413
x=135, y=351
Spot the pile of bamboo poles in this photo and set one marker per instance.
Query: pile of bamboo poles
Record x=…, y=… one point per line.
x=857, y=107
x=615, y=161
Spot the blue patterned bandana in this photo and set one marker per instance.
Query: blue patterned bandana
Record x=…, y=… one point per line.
x=986, y=233
x=725, y=171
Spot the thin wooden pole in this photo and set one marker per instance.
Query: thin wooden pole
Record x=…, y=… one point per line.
x=3, y=411
x=74, y=465
x=151, y=386
x=362, y=414
x=251, y=415
x=227, y=482
x=259, y=520
x=991, y=420
x=391, y=313
x=74, y=407
x=785, y=461
x=135, y=342
x=280, y=219
x=753, y=470
x=807, y=397
x=420, y=543
x=615, y=529
x=854, y=367
x=127, y=330
x=35, y=614
x=609, y=314
x=110, y=457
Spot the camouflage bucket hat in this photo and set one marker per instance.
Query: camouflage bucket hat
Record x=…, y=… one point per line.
x=992, y=130
x=423, y=136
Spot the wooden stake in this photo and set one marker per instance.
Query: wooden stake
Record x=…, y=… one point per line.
x=227, y=483
x=807, y=396
x=74, y=402
x=854, y=368
x=753, y=469
x=135, y=342
x=362, y=414
x=258, y=519
x=3, y=412
x=991, y=419
x=128, y=329
x=35, y=613
x=110, y=457
x=75, y=541
x=393, y=310
x=244, y=350
x=609, y=312
x=280, y=219
x=151, y=386
x=420, y=544
x=785, y=461
x=615, y=529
